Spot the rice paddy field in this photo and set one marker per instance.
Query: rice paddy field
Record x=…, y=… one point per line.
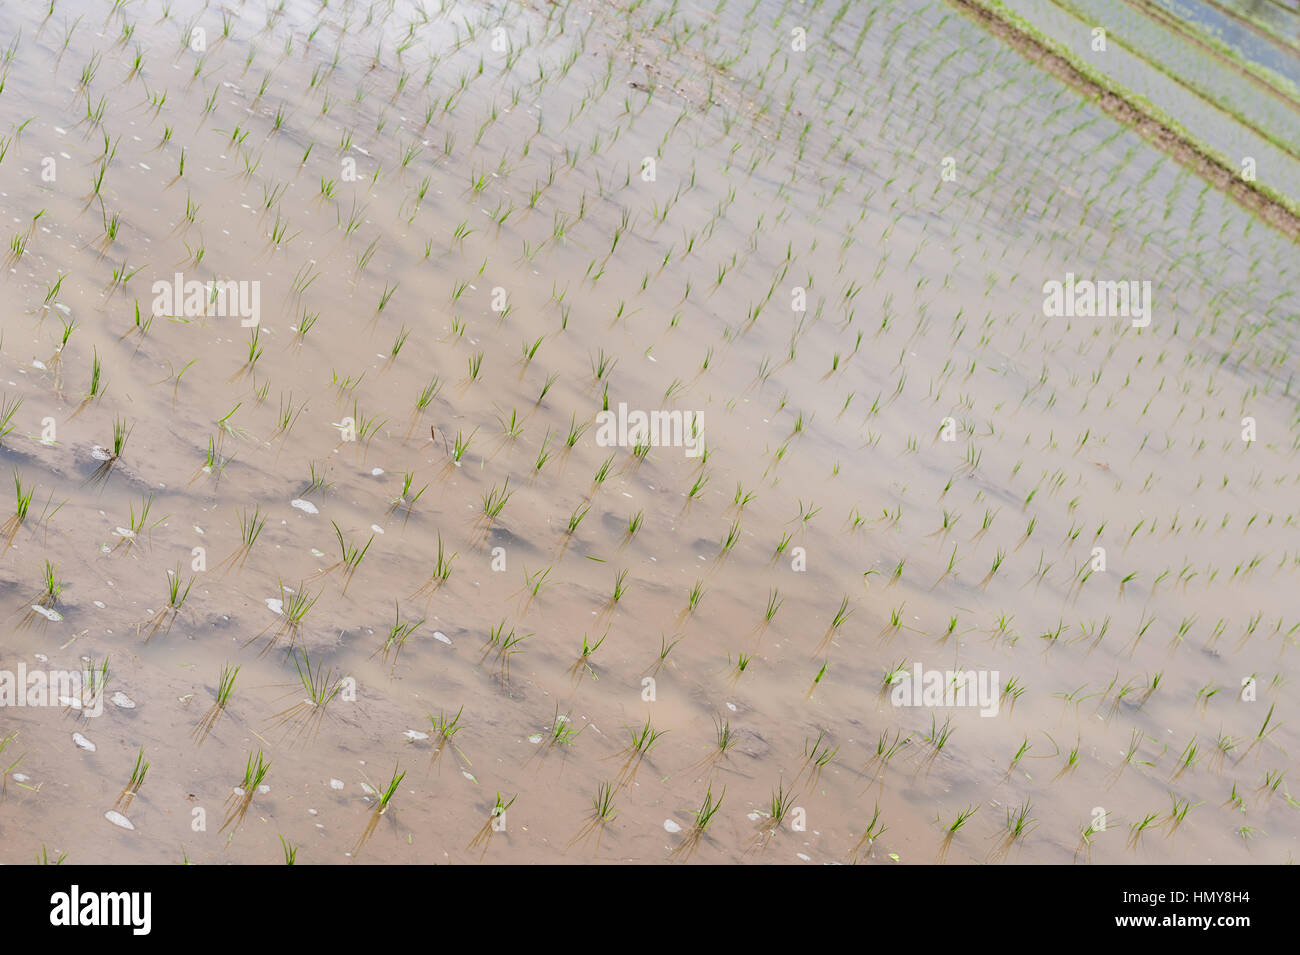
x=314, y=312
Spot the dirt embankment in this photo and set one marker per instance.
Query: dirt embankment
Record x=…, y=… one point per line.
x=1127, y=110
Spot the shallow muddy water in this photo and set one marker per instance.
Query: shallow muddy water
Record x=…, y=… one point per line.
x=461, y=255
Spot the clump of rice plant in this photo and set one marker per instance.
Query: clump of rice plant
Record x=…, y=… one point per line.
x=136, y=524
x=582, y=665
x=225, y=689
x=494, y=501
x=406, y=498
x=294, y=606
x=51, y=589
x=724, y=738
x=43, y=857
x=693, y=597
x=963, y=816
x=250, y=528
x=350, y=557
x=620, y=588
x=665, y=648
x=875, y=829
x=132, y=787
x=106, y=458
x=561, y=732
x=642, y=741
x=816, y=757
x=95, y=678
x=777, y=809
x=444, y=728
x=22, y=502
x=442, y=568
x=1265, y=731
x=703, y=818
x=8, y=408
x=176, y=597
x=384, y=797
x=5, y=741
x=504, y=646
x=1019, y=824
x=319, y=687
x=398, y=634
x=241, y=798
x=1139, y=827
x=496, y=823
x=602, y=814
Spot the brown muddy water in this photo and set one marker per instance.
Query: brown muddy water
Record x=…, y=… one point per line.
x=822, y=230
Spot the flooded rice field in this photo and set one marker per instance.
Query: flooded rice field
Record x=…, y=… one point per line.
x=737, y=431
